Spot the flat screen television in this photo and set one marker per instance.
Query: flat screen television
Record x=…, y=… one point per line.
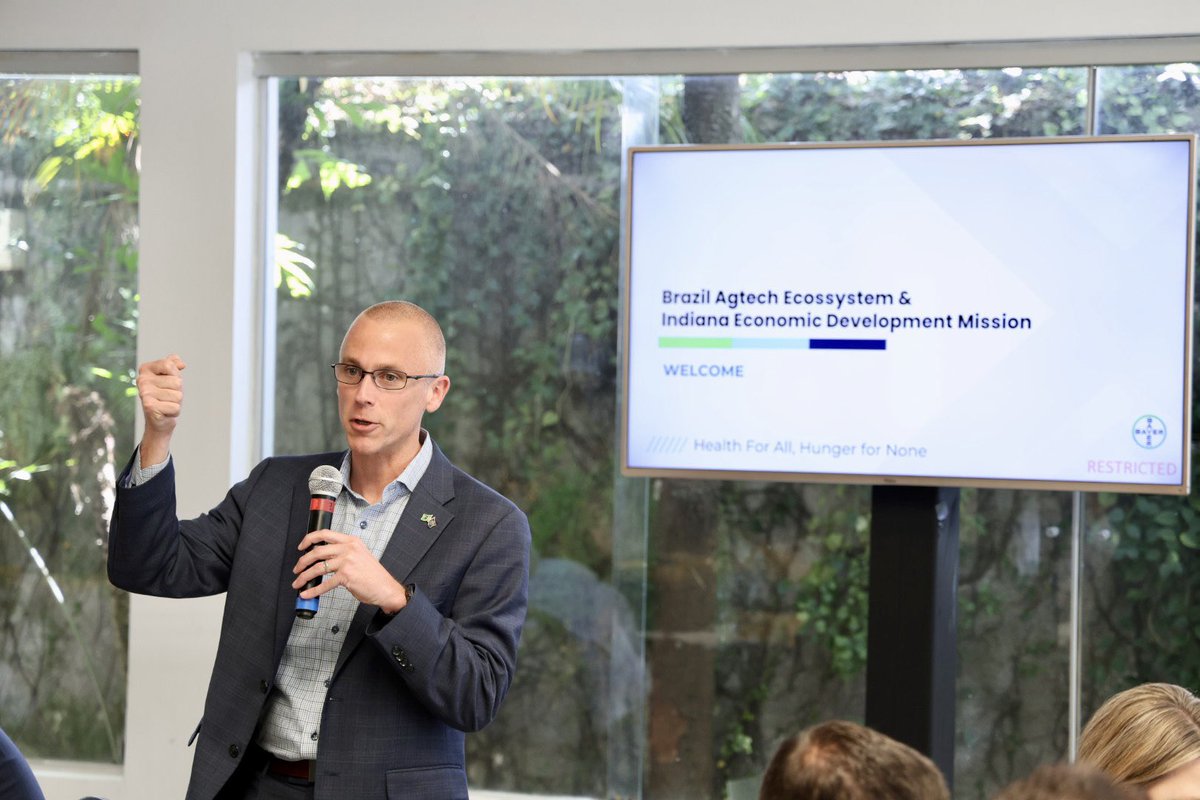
x=962, y=313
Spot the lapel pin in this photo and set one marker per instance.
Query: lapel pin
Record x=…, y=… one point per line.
x=430, y=520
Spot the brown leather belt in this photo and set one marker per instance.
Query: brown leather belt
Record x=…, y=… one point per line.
x=303, y=770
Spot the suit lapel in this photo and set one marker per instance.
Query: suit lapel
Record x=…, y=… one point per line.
x=411, y=539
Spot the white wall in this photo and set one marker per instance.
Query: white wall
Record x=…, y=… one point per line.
x=223, y=26
x=200, y=165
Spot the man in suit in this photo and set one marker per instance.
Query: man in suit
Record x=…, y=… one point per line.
x=424, y=577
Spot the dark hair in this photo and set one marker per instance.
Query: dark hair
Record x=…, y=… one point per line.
x=1069, y=782
x=840, y=760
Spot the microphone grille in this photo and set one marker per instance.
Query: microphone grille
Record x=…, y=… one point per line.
x=325, y=480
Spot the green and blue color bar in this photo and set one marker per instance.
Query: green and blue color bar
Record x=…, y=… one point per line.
x=730, y=343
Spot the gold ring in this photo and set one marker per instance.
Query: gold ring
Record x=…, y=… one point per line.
x=325, y=564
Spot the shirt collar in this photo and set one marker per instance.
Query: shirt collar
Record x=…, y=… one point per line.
x=407, y=480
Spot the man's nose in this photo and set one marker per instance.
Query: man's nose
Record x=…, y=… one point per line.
x=365, y=391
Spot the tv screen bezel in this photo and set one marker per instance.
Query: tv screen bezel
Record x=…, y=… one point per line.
x=1181, y=488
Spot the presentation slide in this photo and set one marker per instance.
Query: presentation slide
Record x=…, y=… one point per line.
x=962, y=314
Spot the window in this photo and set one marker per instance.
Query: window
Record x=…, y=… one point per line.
x=1142, y=554
x=678, y=630
x=68, y=270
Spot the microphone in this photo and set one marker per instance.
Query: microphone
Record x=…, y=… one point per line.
x=324, y=484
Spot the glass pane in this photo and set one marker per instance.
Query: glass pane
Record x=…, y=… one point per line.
x=1012, y=654
x=1142, y=555
x=496, y=205
x=1013, y=627
x=68, y=277
x=913, y=104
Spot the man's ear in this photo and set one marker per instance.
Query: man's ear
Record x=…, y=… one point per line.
x=437, y=393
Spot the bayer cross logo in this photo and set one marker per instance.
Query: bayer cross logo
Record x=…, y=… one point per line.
x=1149, y=431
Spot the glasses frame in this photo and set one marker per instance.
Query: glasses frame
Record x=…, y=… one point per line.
x=373, y=372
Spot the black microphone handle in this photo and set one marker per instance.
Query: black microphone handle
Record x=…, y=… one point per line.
x=320, y=517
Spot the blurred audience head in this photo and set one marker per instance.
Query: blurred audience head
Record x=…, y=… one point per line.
x=1149, y=737
x=1069, y=782
x=844, y=761
x=17, y=781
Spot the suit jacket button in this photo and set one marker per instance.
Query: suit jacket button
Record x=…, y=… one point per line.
x=399, y=654
x=234, y=750
x=262, y=686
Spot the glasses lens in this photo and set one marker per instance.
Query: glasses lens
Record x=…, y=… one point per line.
x=347, y=373
x=390, y=379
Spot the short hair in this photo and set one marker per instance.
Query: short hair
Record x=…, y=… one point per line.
x=404, y=311
x=841, y=760
x=1069, y=782
x=1139, y=735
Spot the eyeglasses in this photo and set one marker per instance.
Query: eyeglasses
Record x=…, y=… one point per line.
x=391, y=380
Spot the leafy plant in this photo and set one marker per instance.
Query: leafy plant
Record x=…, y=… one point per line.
x=68, y=314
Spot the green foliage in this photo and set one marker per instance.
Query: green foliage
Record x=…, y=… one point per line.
x=1149, y=630
x=501, y=220
x=91, y=145
x=738, y=741
x=562, y=511
x=292, y=268
x=495, y=205
x=1146, y=628
x=930, y=104
x=68, y=313
x=332, y=173
x=833, y=596
x=1150, y=99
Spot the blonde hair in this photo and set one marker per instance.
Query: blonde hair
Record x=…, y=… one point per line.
x=404, y=311
x=1141, y=734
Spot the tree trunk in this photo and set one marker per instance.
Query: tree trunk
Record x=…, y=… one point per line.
x=681, y=646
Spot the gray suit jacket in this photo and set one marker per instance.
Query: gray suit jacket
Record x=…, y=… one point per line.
x=405, y=688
